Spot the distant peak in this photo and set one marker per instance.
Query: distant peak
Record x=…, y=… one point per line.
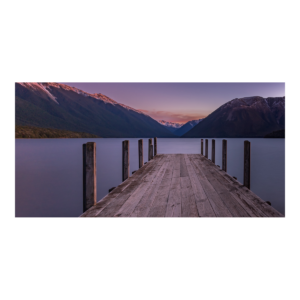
x=170, y=124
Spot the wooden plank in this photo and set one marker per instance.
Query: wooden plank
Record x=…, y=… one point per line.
x=155, y=146
x=143, y=207
x=90, y=175
x=202, y=202
x=256, y=205
x=159, y=204
x=249, y=207
x=247, y=163
x=216, y=202
x=141, y=153
x=224, y=155
x=130, y=204
x=183, y=169
x=188, y=202
x=174, y=201
x=96, y=209
x=112, y=208
x=125, y=160
x=213, y=151
x=232, y=204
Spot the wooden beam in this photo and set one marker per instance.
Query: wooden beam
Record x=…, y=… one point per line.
x=89, y=175
x=155, y=146
x=247, y=160
x=141, y=153
x=224, y=155
x=125, y=160
x=149, y=149
x=213, y=151
x=202, y=146
x=206, y=148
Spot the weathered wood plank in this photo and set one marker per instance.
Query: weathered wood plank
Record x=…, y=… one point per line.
x=188, y=202
x=174, y=201
x=219, y=175
x=232, y=204
x=128, y=207
x=202, y=202
x=159, y=204
x=112, y=208
x=183, y=168
x=216, y=202
x=254, y=202
x=143, y=207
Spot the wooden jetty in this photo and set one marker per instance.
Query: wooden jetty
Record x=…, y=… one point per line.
x=181, y=185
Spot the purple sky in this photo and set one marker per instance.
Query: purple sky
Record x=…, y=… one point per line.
x=179, y=102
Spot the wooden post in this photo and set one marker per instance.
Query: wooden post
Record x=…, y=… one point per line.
x=224, y=155
x=206, y=148
x=202, y=146
x=213, y=151
x=125, y=160
x=89, y=175
x=155, y=146
x=247, y=159
x=149, y=149
x=141, y=153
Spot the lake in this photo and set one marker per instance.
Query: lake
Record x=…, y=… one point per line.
x=49, y=171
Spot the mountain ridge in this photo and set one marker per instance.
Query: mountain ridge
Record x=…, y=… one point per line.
x=58, y=106
x=243, y=117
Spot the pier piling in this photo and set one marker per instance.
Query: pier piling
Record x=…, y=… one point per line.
x=247, y=157
x=155, y=146
x=125, y=160
x=224, y=155
x=202, y=146
x=89, y=175
x=213, y=151
x=141, y=153
x=149, y=149
x=206, y=148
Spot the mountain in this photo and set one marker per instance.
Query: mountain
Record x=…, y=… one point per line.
x=243, y=117
x=186, y=127
x=59, y=106
x=172, y=126
x=279, y=134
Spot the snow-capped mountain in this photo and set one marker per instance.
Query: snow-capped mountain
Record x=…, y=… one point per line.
x=45, y=87
x=186, y=127
x=59, y=106
x=170, y=124
x=243, y=117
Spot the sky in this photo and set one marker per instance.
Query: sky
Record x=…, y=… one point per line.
x=179, y=102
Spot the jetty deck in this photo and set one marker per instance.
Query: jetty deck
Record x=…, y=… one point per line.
x=181, y=185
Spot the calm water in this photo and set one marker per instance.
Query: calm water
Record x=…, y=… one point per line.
x=49, y=171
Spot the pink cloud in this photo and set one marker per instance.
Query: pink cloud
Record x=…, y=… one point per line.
x=171, y=116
